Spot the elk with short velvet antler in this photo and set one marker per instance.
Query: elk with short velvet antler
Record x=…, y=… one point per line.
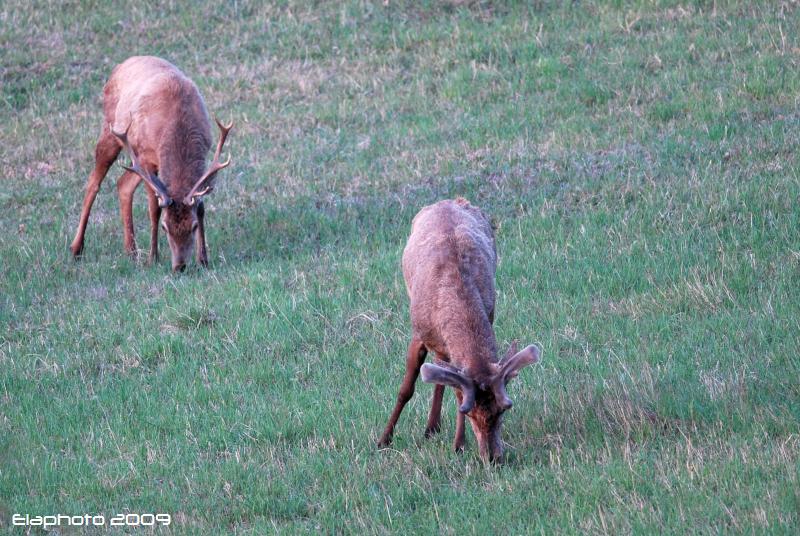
x=449, y=267
x=153, y=111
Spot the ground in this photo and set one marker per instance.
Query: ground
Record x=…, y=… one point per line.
x=639, y=158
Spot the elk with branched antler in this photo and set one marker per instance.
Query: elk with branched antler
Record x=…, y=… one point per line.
x=158, y=116
x=449, y=265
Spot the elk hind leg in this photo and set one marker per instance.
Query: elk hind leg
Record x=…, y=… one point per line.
x=434, y=417
x=126, y=186
x=459, y=440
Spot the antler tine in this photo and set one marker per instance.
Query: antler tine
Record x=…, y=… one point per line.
x=223, y=136
x=158, y=186
x=123, y=137
x=201, y=188
x=204, y=191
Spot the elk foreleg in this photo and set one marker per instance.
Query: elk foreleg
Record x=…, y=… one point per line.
x=105, y=153
x=201, y=253
x=415, y=359
x=154, y=209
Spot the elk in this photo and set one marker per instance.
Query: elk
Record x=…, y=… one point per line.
x=156, y=113
x=449, y=265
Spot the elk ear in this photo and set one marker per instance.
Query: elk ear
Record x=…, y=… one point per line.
x=510, y=366
x=447, y=376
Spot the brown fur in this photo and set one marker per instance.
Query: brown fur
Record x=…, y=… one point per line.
x=449, y=265
x=169, y=131
x=449, y=268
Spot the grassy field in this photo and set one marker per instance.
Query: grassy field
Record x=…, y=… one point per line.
x=640, y=158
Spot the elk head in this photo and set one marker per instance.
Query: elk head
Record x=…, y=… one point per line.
x=182, y=219
x=484, y=402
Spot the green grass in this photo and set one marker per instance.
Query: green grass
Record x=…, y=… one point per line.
x=641, y=159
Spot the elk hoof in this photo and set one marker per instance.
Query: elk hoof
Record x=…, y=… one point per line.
x=431, y=431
